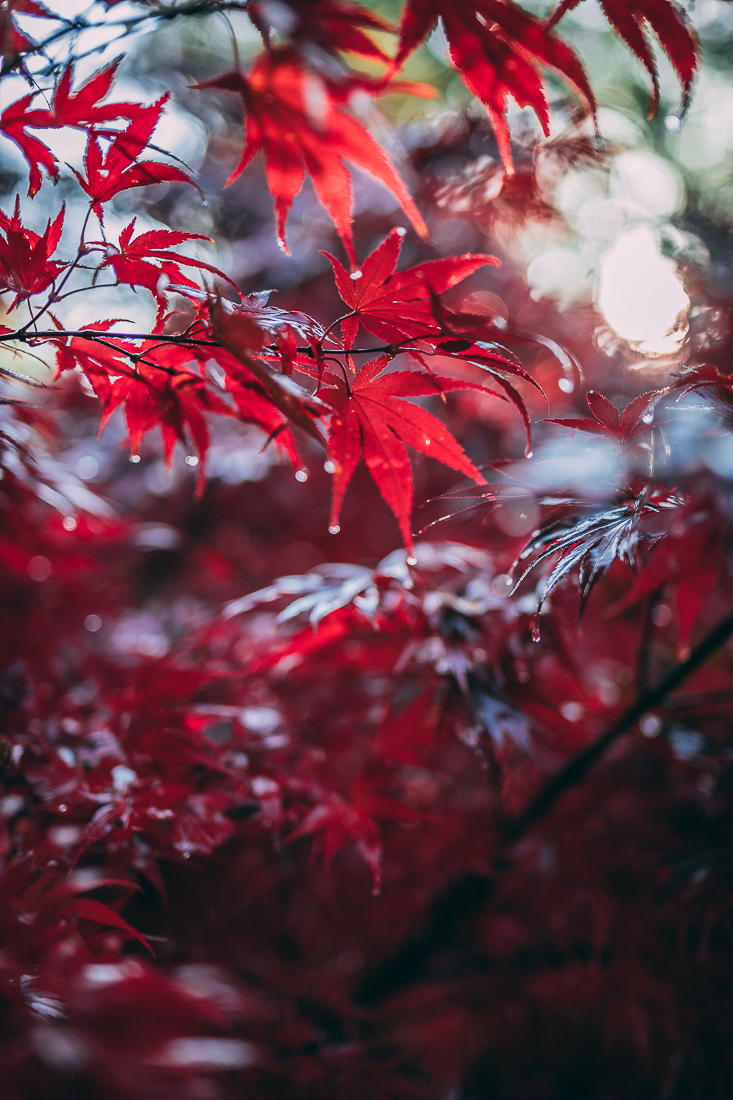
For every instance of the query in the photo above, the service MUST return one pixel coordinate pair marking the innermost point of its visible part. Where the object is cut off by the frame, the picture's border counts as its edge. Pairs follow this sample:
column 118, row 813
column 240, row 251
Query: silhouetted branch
column 465, row 898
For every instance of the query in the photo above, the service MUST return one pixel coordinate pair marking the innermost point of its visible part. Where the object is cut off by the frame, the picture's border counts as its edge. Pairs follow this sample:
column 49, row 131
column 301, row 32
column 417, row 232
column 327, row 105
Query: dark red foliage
column 352, row 815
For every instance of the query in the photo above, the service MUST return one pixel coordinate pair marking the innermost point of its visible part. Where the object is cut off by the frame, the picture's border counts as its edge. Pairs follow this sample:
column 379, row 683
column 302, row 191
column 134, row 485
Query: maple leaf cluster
column 451, row 819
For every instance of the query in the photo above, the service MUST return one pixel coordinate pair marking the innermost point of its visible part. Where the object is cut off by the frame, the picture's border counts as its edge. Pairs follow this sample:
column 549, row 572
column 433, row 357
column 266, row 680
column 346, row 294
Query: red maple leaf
column 147, row 261
column 629, row 18
column 706, row 378
column 398, row 307
column 80, row 109
column 12, row 41
column 298, row 118
column 337, row 820
column 371, row 417
column 119, row 169
column 26, row 266
column 332, row 24
column 607, row 420
column 153, row 384
column 497, row 47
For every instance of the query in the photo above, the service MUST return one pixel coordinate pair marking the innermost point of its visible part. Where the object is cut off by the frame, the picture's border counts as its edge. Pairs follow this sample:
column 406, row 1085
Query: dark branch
column 79, row 25
column 465, row 898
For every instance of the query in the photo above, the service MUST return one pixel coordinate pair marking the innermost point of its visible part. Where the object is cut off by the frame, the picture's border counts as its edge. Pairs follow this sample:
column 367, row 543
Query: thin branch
column 79, row 25
column 88, row 334
column 466, row 897
column 581, row 764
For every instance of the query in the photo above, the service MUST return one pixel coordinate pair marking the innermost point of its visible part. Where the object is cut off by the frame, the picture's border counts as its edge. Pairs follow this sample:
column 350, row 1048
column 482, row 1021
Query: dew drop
column 535, row 633
column 412, row 560
column 63, row 808
column 134, row 458
column 69, row 523
column 427, row 442
column 530, row 454
column 566, row 385
column 673, row 124
column 329, row 466
column 334, row 529
column 401, row 231
column 301, row 475
column 647, row 418
column 191, row 460
column 356, row 275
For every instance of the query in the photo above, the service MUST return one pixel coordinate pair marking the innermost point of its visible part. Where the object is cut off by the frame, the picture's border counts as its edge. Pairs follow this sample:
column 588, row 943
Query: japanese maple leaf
column 337, row 821
column 155, row 388
column 607, row 420
column 26, row 266
column 147, row 261
column 372, row 418
column 107, row 174
column 332, row 24
column 497, row 47
column 12, row 41
column 80, row 109
column 706, row 378
column 630, row 18
column 300, row 122
column 398, row 306
column 592, row 544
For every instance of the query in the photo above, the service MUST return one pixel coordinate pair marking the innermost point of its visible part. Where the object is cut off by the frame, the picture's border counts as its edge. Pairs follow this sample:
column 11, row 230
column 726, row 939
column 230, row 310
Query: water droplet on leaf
column 134, row 458
column 301, row 475
column 334, row 529
column 329, row 466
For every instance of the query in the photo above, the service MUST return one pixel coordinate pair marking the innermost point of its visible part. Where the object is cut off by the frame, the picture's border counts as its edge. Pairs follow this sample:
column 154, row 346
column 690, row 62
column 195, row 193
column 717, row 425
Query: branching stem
column 464, row 898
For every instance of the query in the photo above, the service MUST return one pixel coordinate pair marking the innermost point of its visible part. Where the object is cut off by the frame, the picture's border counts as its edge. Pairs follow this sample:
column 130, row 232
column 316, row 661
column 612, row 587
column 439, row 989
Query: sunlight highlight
column 641, row 296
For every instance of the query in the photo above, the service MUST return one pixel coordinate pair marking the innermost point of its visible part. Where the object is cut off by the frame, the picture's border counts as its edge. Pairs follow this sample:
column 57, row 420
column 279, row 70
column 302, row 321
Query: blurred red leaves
column 498, row 48
column 630, row 18
column 299, row 118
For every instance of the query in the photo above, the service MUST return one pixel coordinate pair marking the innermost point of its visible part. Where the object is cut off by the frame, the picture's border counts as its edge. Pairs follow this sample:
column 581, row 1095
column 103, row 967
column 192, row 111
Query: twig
column 79, row 25
column 466, row 897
